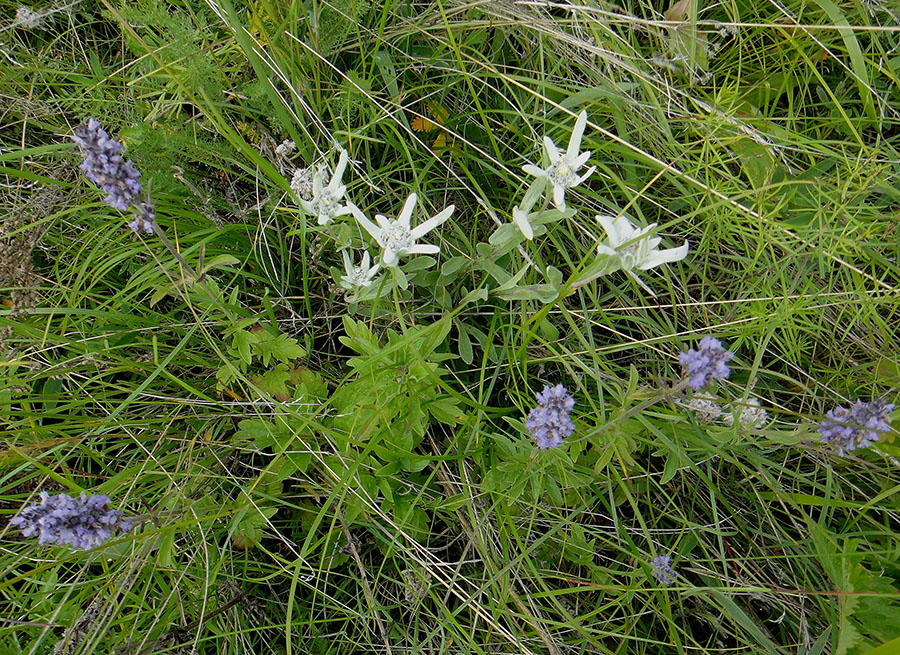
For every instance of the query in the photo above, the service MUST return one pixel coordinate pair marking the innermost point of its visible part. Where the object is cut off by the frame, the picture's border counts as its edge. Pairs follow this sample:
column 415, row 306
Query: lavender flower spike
column 706, row 363
column 549, row 422
column 105, row 166
column 856, row 427
column 662, row 570
column 83, row 522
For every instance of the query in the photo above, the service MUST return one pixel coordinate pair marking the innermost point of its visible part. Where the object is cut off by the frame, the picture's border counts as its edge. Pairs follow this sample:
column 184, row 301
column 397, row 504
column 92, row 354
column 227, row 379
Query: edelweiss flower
column 635, row 247
column 358, row 277
column 326, row 200
column 563, row 169
column 396, row 237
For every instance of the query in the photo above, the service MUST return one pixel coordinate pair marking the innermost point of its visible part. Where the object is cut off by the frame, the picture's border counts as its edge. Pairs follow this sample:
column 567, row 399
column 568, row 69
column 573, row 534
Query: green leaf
column 281, row 347
column 242, row 341
column 452, row 266
column 446, row 410
column 256, row 430
column 220, row 261
column 359, row 337
column 465, row 344
column 248, row 525
column 274, row 382
column 432, row 336
column 419, row 264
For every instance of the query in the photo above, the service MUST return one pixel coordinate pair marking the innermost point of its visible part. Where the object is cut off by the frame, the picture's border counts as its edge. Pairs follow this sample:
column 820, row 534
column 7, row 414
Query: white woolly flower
column 563, row 169
column 397, row 237
column 286, row 148
column 706, row 408
column 358, row 277
column 326, row 200
column 302, row 182
column 635, row 247
column 27, row 18
column 750, row 415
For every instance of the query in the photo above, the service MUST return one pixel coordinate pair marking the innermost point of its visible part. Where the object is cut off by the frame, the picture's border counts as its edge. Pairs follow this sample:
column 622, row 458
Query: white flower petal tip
column 520, row 218
column 397, row 237
column 667, row 256
column 562, row 172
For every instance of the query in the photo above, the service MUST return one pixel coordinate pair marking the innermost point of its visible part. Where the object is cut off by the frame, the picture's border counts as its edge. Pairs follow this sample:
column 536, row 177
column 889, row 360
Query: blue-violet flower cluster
column 662, row 570
column 857, row 426
column 706, row 363
column 105, row 166
column 83, row 522
column 549, row 422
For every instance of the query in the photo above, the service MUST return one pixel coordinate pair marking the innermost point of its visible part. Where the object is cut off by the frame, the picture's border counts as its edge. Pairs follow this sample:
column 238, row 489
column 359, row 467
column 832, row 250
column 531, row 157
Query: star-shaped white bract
column 326, row 200
column 397, row 237
column 635, row 247
column 563, row 169
column 358, row 277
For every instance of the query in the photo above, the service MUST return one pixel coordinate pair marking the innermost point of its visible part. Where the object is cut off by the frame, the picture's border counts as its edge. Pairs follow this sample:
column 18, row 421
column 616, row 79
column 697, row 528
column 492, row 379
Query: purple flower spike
column 105, row 166
column 856, row 427
column 83, row 522
column 549, row 422
column 706, row 363
column 662, row 570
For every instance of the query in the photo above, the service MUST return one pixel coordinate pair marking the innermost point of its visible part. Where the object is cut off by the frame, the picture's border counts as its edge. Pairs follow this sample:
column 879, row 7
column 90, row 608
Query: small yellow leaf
column 422, row 124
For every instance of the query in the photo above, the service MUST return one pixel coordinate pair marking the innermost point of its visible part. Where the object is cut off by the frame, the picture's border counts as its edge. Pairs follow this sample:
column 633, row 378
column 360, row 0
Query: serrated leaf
column 242, row 342
column 274, row 382
column 256, row 430
column 280, row 347
column 446, row 410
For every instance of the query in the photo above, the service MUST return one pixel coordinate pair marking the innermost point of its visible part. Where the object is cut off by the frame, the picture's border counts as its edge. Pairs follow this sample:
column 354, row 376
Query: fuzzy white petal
column 370, row 227
column 520, row 218
column 339, row 170
column 406, row 213
column 609, row 224
column 423, row 249
column 579, row 160
column 577, row 134
column 581, row 179
column 318, row 184
column 382, row 221
column 559, row 197
column 431, row 223
column 348, row 265
column 552, row 150
column 666, row 256
column 531, row 169
column 390, row 258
